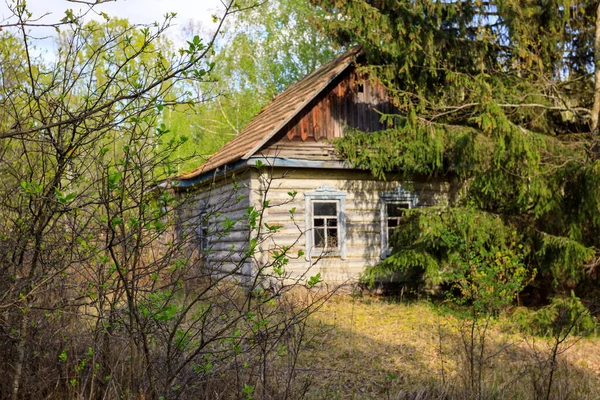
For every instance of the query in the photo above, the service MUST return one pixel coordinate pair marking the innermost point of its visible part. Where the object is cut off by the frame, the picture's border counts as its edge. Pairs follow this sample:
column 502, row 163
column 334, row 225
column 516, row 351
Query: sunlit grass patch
column 373, row 348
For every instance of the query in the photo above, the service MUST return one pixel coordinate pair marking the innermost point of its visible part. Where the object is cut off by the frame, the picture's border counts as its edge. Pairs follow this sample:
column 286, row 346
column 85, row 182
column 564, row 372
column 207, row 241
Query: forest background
column 504, row 96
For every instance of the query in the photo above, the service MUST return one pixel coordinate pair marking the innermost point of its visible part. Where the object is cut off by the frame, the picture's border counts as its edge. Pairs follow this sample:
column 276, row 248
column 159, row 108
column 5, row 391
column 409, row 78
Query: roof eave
column 214, row 173
column 269, row 162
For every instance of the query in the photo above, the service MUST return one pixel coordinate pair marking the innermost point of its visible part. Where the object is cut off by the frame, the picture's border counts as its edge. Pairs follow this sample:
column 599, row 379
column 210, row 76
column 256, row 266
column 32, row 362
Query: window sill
column 318, row 252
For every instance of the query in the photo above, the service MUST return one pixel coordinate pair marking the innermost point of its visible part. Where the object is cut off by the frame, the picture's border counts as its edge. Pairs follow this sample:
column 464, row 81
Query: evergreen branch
column 454, row 109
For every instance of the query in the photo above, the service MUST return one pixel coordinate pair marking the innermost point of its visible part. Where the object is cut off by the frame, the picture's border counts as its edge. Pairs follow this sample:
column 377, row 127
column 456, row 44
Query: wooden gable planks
column 308, row 135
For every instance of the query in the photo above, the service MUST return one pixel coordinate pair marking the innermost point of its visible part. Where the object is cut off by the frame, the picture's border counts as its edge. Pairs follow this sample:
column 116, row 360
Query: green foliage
column 483, row 262
column 248, row 391
column 266, row 49
column 62, row 357
column 314, row 280
column 563, row 316
column 474, row 253
column 496, row 96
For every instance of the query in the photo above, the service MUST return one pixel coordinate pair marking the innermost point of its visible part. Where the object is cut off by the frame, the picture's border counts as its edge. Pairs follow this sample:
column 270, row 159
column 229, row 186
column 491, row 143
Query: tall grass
column 375, row 349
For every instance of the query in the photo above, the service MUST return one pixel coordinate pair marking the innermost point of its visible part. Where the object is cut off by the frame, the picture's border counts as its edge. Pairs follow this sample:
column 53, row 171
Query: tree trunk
column 21, row 343
column 596, row 106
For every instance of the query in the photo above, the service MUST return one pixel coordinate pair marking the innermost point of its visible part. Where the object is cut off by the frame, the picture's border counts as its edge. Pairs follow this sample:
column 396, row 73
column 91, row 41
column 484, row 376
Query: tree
column 499, row 95
column 59, row 120
column 96, row 285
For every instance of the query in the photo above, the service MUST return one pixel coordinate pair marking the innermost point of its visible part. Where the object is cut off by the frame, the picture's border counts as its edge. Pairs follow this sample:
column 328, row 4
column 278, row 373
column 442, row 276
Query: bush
column 563, row 314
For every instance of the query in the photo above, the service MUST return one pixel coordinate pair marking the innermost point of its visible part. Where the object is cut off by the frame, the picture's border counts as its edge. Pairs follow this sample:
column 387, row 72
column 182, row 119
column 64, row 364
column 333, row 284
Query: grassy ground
column 373, row 348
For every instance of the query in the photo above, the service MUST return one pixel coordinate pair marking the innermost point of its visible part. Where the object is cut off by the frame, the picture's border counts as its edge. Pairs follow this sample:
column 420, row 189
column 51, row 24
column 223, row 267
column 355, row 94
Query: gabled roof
column 277, row 114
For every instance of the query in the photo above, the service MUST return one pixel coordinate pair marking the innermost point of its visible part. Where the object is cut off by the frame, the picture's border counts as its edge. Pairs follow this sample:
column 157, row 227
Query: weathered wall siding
column 226, row 198
column 363, row 227
column 349, row 102
column 314, row 151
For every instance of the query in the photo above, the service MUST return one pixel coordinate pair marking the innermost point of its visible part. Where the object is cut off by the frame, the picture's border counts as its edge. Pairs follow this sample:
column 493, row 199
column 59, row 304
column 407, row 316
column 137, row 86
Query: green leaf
column 314, row 280
column 62, row 357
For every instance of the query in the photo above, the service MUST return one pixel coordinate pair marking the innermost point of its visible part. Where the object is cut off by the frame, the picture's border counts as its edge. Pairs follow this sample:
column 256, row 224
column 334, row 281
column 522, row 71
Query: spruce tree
column 501, row 96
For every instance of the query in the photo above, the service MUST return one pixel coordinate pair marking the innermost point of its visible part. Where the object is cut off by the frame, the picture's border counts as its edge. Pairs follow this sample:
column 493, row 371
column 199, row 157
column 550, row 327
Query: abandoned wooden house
column 333, row 219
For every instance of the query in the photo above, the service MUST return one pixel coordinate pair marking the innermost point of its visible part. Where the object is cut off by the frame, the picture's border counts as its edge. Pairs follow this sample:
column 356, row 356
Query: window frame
column 397, row 196
column 325, row 194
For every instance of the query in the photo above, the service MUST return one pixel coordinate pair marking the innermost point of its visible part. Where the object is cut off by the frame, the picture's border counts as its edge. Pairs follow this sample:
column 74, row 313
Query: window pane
column 332, row 222
column 321, row 208
column 204, row 240
column 390, row 234
column 392, row 222
column 396, row 209
column 332, row 239
column 319, row 222
column 319, row 237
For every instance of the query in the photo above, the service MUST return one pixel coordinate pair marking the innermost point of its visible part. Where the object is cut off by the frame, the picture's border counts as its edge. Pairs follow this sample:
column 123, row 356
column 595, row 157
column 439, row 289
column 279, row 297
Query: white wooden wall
column 225, row 198
column 231, row 197
column 363, row 225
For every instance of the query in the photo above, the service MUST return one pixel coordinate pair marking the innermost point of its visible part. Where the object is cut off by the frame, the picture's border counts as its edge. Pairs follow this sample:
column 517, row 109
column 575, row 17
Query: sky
column 137, row 11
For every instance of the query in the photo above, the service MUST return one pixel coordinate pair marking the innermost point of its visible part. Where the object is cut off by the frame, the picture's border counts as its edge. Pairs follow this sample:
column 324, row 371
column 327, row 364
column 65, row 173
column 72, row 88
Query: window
column 394, row 214
column 393, row 207
column 325, row 223
column 203, row 234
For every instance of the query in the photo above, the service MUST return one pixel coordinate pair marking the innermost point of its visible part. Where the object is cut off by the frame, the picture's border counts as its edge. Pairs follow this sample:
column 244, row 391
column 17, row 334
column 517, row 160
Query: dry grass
column 371, row 348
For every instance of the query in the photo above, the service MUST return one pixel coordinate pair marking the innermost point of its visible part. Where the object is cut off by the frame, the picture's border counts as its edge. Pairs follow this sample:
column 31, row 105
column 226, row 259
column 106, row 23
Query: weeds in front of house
column 373, row 348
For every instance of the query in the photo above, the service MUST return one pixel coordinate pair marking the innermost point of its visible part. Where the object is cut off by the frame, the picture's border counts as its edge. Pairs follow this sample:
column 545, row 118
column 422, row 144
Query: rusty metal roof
column 276, row 114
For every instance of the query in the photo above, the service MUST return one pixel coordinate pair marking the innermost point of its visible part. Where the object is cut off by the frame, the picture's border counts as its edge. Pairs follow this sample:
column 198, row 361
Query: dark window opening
column 203, row 234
